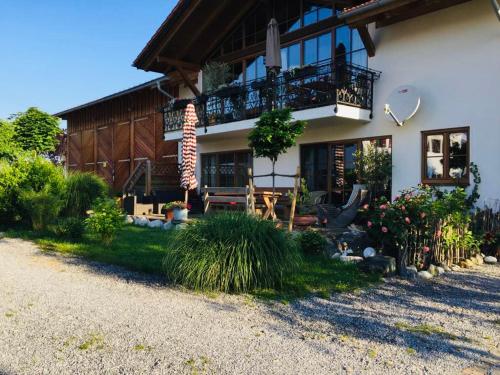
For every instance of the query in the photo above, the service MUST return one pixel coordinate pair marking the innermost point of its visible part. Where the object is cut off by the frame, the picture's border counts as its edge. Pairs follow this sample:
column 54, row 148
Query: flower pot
column 180, row 214
column 304, row 220
column 169, row 215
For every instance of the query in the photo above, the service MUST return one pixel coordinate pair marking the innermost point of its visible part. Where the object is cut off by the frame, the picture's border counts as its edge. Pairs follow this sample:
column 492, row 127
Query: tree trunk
column 274, row 190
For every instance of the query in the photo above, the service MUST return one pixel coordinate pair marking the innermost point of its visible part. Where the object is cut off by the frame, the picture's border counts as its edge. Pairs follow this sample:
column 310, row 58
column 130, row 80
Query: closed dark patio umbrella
column 273, row 47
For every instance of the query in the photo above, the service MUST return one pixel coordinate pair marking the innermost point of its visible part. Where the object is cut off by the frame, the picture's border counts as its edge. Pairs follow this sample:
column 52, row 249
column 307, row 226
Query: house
column 341, row 62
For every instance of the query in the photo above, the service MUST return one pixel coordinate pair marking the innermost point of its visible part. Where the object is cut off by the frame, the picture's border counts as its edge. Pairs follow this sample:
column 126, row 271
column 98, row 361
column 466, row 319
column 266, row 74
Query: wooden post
column 186, row 196
column 294, row 200
column 206, row 203
column 252, row 191
column 148, row 177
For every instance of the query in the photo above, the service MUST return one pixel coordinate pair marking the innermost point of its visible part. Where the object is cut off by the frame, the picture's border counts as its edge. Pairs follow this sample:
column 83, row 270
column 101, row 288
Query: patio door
column 342, row 173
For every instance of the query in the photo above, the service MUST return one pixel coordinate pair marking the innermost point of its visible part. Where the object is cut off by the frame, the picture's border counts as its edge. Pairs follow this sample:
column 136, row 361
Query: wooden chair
column 223, row 196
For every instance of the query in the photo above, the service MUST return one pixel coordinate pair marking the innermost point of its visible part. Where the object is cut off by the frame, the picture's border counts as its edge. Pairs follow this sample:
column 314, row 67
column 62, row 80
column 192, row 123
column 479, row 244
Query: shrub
column 312, row 243
column 231, row 252
column 82, row 190
column 70, row 227
column 106, row 219
column 42, row 207
column 28, row 173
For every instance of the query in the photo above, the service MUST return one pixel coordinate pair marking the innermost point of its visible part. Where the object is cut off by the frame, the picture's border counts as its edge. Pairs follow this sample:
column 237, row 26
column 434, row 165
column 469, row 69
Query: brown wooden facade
column 110, row 137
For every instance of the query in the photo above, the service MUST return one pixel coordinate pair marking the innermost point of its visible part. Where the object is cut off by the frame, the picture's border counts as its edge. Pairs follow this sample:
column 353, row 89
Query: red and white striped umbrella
column 188, row 174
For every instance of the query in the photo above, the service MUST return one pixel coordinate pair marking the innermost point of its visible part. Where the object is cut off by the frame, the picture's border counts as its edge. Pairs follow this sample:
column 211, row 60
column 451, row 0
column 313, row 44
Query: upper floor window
column 445, row 158
column 314, row 12
column 349, row 48
column 318, row 49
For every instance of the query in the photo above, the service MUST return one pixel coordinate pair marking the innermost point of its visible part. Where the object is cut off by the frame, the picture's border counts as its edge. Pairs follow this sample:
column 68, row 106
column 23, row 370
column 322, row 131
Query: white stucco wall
column 453, row 57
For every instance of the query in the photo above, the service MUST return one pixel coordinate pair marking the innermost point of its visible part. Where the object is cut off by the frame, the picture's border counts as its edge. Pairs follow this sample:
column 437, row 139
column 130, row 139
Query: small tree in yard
column 274, row 133
column 36, row 131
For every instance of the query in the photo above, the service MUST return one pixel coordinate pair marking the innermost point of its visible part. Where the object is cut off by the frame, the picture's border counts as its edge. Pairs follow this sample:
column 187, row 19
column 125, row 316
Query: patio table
column 269, row 202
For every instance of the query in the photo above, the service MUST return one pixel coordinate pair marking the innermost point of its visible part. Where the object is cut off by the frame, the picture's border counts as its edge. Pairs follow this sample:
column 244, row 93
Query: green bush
column 107, row 218
column 27, row 173
column 312, row 243
column 42, row 207
column 82, row 190
column 70, row 227
column 231, row 252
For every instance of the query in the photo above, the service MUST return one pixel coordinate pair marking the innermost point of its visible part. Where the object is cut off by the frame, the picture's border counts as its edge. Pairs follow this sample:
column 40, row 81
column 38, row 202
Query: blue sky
column 56, row 54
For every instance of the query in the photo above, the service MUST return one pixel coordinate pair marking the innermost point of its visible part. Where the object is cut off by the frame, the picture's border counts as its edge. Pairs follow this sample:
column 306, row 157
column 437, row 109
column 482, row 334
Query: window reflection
column 458, row 155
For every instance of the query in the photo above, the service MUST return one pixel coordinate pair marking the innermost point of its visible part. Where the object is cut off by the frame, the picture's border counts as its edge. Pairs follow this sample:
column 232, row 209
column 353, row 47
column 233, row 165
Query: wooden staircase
column 152, row 176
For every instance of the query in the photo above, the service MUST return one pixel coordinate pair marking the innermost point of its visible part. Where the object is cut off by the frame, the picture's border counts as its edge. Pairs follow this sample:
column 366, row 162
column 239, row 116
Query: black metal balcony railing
column 302, row 88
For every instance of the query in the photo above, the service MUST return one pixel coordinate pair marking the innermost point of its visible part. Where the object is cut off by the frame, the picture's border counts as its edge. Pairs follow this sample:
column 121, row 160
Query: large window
column 330, row 166
column 318, row 49
column 445, row 156
column 348, row 47
column 226, row 169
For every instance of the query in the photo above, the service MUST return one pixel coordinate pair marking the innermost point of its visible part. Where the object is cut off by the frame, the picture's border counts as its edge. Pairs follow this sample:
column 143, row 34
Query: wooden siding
column 111, row 137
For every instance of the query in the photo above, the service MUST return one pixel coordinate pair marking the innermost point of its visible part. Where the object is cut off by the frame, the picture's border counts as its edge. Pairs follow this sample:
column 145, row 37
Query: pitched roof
column 112, row 96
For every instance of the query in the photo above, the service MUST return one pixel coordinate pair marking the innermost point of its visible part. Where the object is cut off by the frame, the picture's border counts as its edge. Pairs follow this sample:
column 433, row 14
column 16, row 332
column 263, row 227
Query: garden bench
column 226, row 196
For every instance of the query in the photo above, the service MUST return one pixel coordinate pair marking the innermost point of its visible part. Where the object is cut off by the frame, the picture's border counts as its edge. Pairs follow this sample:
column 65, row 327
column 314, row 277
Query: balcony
column 312, row 86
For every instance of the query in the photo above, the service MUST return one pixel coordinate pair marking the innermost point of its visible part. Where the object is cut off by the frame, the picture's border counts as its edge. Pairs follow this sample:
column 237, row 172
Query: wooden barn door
column 144, row 138
column 75, row 151
column 105, row 153
column 88, row 151
column 122, row 154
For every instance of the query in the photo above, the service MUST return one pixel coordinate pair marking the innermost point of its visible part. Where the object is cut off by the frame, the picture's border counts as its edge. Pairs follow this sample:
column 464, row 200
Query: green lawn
column 142, row 249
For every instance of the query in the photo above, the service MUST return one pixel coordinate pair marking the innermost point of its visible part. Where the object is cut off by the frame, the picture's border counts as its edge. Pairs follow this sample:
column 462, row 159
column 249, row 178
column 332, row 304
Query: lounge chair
column 340, row 217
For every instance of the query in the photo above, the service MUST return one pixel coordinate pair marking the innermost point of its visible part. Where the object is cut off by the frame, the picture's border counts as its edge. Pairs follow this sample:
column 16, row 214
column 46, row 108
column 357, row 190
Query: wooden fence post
column 252, row 191
column 294, row 200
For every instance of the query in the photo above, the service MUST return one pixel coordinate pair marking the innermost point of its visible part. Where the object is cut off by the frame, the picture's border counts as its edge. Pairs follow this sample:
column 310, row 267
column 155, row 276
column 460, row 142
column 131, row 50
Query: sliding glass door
column 330, row 166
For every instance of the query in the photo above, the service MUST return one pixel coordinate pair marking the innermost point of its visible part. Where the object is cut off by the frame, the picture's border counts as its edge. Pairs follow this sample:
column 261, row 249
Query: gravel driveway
column 61, row 315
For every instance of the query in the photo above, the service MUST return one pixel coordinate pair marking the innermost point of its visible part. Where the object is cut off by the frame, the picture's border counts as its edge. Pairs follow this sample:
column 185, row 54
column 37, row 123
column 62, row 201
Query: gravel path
column 61, row 315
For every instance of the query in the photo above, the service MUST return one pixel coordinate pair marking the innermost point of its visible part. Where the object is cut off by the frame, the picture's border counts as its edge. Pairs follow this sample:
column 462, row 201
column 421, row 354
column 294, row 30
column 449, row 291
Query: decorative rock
column 411, row 272
column 479, row 259
column 470, row 263
column 379, row 264
column 336, row 256
column 425, row 275
column 355, row 240
column 433, row 270
column 350, row 259
column 490, row 260
column 440, row 270
column 369, row 252
column 141, row 221
column 455, row 267
column 446, row 268
column 155, row 224
column 463, row 264
column 168, row 225
column 412, row 269
column 129, row 219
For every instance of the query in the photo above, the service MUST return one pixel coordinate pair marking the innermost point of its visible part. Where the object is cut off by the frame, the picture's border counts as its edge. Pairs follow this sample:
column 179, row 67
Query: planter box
column 180, row 214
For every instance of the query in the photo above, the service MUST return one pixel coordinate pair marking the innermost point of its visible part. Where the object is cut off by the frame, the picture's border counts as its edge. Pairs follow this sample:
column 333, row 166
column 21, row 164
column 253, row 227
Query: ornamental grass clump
column 231, row 252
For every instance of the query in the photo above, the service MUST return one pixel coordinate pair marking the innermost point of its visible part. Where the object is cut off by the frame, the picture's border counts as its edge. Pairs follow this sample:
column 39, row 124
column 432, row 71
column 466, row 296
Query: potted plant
column 306, row 210
column 215, row 74
column 179, row 210
column 168, row 210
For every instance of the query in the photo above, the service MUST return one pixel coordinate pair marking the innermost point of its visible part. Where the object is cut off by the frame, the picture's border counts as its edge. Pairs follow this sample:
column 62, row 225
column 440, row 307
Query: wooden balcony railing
column 310, row 86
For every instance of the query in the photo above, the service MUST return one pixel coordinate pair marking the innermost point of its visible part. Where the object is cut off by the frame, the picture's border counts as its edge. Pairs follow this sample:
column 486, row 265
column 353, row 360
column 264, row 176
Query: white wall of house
column 453, row 57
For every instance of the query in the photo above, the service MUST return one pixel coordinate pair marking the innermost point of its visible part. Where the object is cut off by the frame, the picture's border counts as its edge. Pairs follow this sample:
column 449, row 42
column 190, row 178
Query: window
column 445, row 156
column 349, row 48
column 314, row 12
column 290, row 57
column 226, row 169
column 318, row 49
column 255, row 69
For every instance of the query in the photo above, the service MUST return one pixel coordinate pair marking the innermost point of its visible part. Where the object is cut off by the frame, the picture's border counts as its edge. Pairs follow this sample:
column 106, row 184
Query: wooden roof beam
column 189, row 83
column 174, row 62
column 367, row 40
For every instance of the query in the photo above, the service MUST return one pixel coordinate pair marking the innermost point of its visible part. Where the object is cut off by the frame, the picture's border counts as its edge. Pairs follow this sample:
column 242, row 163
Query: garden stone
column 470, row 263
column 129, row 219
column 433, row 270
column 455, row 267
column 336, row 256
column 479, row 259
column 463, row 264
column 369, row 252
column 141, row 221
column 2, row 235
column 440, row 270
column 384, row 265
column 446, row 268
column 425, row 275
column 155, row 224
column 350, row 259
column 490, row 260
column 168, row 225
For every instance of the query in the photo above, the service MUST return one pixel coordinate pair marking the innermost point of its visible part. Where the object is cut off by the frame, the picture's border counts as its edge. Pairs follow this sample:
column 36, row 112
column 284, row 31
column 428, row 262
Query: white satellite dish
column 402, row 104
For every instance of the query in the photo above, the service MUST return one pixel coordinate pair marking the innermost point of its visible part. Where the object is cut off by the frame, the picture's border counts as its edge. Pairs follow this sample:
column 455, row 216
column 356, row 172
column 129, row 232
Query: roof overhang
column 190, row 33
column 387, row 12
column 150, row 84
